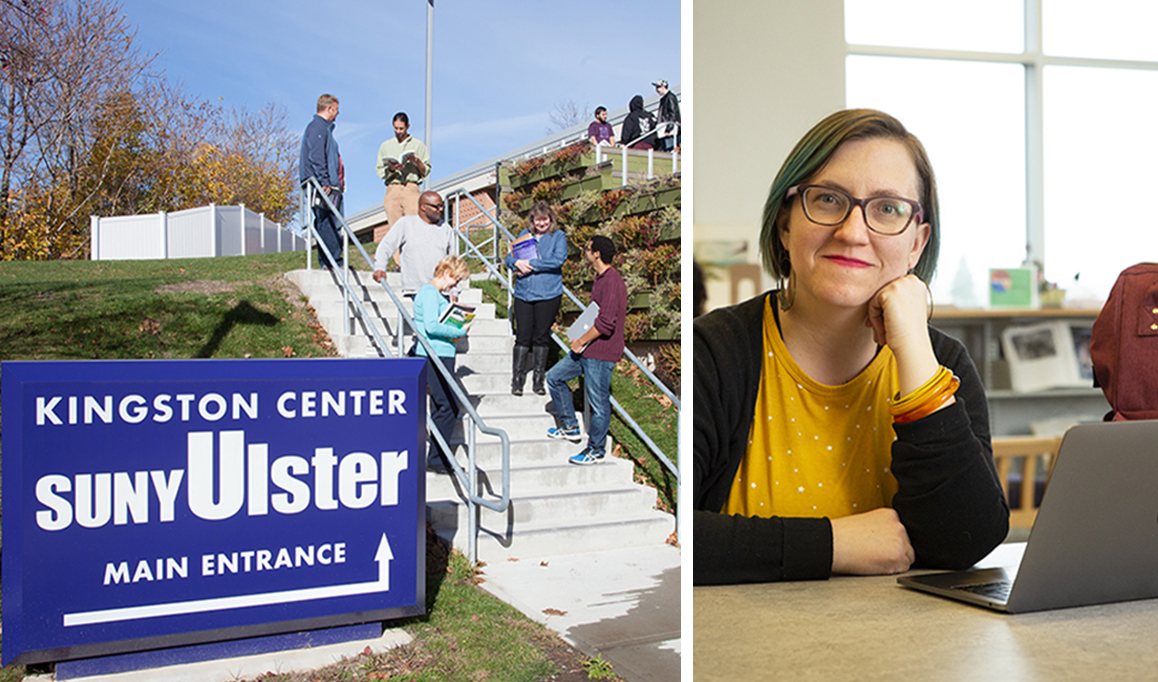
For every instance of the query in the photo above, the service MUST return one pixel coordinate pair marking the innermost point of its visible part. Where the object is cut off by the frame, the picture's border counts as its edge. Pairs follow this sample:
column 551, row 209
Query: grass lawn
column 197, row 308
column 240, row 307
column 659, row 419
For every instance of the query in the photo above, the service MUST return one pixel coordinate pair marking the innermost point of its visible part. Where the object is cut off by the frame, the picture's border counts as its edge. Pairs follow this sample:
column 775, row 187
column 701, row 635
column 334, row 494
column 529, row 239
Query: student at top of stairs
column 429, row 303
column 639, row 127
column 538, row 292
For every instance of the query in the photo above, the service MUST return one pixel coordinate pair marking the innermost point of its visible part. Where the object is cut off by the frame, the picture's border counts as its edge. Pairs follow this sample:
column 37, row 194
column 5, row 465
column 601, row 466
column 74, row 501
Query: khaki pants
column 401, row 199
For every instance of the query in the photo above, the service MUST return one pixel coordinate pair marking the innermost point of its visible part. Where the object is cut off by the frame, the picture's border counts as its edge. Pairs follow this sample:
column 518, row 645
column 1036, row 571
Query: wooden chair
column 1017, row 466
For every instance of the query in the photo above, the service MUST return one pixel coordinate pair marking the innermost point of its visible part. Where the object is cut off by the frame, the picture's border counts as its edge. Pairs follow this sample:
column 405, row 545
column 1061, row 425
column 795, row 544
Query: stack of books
column 525, row 248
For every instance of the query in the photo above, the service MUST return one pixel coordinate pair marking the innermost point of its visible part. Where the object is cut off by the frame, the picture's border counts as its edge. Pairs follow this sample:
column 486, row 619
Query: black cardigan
column 948, row 498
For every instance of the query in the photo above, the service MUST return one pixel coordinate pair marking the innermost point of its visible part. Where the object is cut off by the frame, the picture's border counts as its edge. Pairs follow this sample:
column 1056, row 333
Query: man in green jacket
column 403, row 162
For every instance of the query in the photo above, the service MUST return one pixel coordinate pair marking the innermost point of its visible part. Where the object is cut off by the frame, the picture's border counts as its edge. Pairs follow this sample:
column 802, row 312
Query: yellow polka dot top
column 816, row 450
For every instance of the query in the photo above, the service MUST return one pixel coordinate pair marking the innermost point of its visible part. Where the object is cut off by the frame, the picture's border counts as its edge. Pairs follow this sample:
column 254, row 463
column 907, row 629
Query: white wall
column 765, row 72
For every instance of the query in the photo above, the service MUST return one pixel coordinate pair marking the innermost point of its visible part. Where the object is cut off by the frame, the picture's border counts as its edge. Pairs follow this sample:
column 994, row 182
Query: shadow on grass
column 437, row 572
column 242, row 313
column 437, row 562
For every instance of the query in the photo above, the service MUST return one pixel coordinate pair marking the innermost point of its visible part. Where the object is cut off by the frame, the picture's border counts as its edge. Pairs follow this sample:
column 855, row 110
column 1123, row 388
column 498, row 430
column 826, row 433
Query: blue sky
column 500, row 66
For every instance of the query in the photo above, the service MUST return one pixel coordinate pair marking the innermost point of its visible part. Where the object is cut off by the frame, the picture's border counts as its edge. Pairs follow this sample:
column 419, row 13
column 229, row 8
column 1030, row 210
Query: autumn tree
column 59, row 60
column 86, row 128
column 248, row 158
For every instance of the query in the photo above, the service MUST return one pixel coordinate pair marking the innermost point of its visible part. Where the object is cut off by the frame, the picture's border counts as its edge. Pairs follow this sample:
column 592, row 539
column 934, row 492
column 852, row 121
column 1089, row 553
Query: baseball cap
column 660, row 83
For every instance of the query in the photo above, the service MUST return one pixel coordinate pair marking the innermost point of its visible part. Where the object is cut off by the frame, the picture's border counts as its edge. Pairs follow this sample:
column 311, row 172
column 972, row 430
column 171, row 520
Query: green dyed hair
column 810, row 156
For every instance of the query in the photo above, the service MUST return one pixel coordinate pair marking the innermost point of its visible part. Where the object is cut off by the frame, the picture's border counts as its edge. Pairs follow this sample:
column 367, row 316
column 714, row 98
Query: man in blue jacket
column 320, row 160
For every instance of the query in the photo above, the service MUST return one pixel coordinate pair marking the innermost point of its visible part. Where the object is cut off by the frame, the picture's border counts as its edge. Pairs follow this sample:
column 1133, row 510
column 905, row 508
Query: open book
column 525, row 248
column 457, row 315
column 404, row 158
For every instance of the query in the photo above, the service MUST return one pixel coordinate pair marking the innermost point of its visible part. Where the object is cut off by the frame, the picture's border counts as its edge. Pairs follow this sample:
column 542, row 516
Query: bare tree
column 566, row 114
column 86, row 127
column 247, row 157
column 61, row 60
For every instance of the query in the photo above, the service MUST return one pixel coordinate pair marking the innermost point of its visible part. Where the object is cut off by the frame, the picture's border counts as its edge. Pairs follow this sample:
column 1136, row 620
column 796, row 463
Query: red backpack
column 1124, row 345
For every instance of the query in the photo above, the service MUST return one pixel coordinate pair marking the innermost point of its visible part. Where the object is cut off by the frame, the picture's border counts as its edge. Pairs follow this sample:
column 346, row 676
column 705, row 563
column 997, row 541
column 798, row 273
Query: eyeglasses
column 883, row 215
column 438, row 206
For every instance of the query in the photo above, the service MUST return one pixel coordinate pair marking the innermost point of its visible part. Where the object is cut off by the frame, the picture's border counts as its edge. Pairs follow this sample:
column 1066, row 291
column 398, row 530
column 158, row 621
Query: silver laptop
column 1095, row 540
column 584, row 322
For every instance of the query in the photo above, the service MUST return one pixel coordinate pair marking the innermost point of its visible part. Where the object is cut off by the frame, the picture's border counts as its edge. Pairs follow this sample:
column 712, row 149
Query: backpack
column 1124, row 345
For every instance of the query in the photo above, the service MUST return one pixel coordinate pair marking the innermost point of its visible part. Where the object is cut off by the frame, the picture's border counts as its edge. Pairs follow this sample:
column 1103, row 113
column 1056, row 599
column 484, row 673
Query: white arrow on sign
column 383, row 556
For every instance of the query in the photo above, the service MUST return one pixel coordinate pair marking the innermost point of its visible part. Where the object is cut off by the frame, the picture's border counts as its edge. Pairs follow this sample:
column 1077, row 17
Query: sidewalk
column 623, row 605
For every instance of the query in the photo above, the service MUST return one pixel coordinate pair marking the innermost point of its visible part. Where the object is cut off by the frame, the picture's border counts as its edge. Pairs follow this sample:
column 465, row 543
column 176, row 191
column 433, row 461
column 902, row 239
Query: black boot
column 519, row 369
column 539, row 363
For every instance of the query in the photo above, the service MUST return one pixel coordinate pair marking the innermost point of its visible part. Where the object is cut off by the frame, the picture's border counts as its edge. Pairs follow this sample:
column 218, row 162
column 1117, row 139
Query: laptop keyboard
column 998, row 590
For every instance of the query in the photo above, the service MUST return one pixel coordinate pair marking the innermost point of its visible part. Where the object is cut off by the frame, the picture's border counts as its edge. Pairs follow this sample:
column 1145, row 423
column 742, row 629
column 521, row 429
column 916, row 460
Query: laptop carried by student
column 1095, row 539
column 584, row 322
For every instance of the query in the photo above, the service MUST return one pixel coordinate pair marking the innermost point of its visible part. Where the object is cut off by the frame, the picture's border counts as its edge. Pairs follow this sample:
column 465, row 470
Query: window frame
column 1034, row 61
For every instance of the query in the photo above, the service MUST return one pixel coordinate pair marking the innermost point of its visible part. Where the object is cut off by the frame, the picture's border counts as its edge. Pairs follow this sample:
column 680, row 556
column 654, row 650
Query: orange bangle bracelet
column 934, row 386
column 931, row 405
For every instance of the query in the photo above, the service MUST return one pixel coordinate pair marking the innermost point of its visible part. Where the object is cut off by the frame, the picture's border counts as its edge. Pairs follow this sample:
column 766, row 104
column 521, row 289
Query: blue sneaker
column 572, row 434
column 588, row 456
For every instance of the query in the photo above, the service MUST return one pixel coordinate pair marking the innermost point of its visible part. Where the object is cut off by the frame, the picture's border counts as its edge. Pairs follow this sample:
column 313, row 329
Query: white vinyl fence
column 193, row 233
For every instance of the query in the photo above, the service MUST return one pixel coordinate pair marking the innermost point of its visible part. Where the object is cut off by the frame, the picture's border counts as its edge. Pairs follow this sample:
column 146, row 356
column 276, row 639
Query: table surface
column 871, row 628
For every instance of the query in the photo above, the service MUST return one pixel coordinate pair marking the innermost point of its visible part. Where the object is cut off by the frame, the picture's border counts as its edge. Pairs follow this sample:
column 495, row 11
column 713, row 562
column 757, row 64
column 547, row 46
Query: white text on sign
column 242, row 475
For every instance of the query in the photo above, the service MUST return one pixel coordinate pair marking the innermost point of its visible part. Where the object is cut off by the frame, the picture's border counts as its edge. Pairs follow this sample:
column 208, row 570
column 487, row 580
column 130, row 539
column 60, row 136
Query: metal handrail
column 468, row 478
column 601, row 154
column 506, row 282
column 553, row 141
column 581, row 136
column 675, row 159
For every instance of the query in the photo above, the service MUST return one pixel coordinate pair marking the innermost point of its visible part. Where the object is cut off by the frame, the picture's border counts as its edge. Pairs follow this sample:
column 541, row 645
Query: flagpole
column 428, row 126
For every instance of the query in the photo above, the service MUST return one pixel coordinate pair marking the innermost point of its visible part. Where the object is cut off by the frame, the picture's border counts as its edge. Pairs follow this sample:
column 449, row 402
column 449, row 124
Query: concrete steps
column 571, row 536
column 551, row 504
column 556, row 507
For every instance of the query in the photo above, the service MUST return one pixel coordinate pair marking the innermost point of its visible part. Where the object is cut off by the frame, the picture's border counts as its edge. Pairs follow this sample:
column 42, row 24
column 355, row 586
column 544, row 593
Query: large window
column 1036, row 123
column 978, row 154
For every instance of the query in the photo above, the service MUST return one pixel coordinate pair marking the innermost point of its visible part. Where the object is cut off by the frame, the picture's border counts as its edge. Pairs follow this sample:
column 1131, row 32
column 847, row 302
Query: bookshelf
column 1011, row 412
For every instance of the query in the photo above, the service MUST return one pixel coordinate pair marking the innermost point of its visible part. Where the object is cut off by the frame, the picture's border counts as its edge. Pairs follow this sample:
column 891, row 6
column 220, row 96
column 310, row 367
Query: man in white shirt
column 417, row 243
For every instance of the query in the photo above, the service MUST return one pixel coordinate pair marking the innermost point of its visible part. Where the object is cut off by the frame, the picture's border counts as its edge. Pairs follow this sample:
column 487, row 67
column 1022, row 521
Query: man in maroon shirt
column 593, row 355
column 600, row 131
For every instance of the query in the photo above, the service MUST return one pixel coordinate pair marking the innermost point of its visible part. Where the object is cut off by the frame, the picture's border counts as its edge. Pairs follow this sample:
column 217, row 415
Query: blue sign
column 151, row 504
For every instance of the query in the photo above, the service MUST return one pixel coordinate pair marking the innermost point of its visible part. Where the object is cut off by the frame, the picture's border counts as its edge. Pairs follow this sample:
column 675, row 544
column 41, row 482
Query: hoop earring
column 786, row 295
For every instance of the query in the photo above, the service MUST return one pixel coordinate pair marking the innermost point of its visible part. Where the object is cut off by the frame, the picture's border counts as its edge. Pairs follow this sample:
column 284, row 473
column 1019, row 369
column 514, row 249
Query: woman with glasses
column 835, row 432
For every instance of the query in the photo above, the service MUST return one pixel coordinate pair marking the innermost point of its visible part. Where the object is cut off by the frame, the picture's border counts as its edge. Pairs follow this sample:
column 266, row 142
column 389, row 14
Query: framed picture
column 1012, row 288
column 1043, row 356
column 1081, row 336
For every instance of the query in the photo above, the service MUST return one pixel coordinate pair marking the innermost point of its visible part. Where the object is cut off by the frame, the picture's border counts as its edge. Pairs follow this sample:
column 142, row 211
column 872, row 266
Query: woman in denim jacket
column 538, row 292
